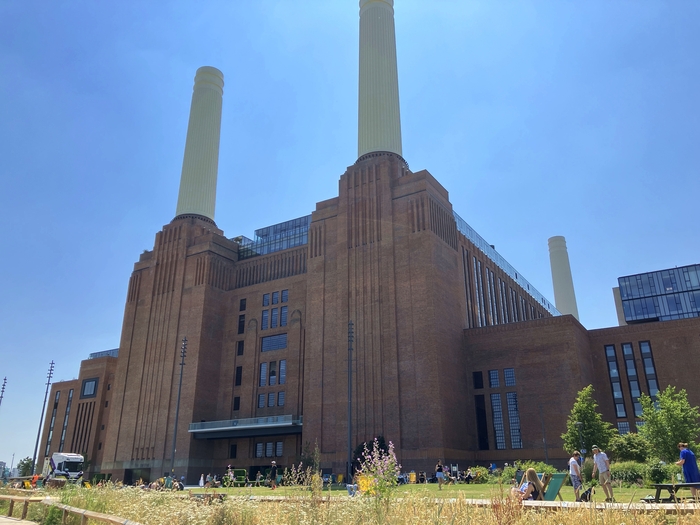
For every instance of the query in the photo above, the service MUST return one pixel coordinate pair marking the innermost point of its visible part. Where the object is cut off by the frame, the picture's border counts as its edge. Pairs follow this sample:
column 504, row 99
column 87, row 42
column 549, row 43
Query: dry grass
column 158, row 508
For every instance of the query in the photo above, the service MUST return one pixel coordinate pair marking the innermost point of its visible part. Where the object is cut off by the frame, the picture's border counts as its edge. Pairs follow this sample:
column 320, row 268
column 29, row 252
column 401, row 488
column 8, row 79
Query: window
column 278, row 449
column 280, row 399
column 273, row 373
column 109, row 386
column 265, row 319
column 65, row 420
column 285, row 296
column 261, row 400
column 259, row 450
column 632, row 382
column 274, row 317
column 275, row 297
column 89, row 388
column 271, row 399
column 263, row 374
column 498, row 428
column 274, row 342
column 103, row 427
column 481, row 422
column 649, row 368
column 239, row 376
column 99, row 446
column 283, row 316
column 478, row 378
column 623, row 427
column 266, row 299
column 268, row 449
column 106, row 404
column 241, row 324
column 53, row 421
column 236, row 403
column 239, row 347
column 283, row 371
column 241, row 306
column 514, row 420
column 509, row 376
column 615, row 384
column 493, row 379
column 233, row 452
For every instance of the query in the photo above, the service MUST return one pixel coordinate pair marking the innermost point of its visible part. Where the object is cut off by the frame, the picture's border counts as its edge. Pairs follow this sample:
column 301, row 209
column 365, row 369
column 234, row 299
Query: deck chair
column 545, row 478
column 555, row 484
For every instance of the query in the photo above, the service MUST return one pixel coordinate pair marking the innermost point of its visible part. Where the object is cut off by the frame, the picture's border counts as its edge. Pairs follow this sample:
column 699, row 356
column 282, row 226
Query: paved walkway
column 4, row 520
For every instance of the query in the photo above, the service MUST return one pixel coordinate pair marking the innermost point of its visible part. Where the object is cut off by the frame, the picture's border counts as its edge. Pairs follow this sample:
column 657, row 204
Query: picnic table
column 672, row 489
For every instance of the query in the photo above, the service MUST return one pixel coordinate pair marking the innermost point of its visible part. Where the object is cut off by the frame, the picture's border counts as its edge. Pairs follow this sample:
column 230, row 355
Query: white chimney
column 564, row 295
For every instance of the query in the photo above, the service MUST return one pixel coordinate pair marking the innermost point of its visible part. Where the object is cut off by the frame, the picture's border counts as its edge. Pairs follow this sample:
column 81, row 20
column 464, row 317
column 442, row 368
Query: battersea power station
column 386, row 266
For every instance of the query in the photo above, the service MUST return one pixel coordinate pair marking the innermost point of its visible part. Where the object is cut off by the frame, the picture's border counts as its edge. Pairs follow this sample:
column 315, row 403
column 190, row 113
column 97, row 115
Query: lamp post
column 41, row 421
column 2, row 392
column 580, row 440
column 183, row 353
column 351, row 337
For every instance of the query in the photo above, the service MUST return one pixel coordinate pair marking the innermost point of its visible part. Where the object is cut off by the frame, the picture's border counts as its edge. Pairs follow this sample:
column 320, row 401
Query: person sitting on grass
column 531, row 487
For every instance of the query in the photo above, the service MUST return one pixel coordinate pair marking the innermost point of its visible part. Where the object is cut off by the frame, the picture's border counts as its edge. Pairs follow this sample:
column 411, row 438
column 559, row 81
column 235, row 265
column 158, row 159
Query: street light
column 183, row 353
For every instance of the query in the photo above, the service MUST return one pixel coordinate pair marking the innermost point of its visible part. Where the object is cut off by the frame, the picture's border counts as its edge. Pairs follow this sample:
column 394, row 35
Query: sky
column 540, row 118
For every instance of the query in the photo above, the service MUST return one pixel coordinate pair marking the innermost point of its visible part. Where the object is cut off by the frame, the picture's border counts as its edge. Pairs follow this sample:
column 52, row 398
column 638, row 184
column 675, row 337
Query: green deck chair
column 554, row 486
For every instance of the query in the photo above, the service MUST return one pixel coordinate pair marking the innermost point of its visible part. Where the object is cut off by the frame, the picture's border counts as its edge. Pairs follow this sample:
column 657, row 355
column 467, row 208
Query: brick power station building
column 267, row 321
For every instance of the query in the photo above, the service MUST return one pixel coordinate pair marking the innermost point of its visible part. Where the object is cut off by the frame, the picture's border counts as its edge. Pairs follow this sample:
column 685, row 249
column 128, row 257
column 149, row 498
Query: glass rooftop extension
column 105, row 353
column 290, row 234
column 497, row 258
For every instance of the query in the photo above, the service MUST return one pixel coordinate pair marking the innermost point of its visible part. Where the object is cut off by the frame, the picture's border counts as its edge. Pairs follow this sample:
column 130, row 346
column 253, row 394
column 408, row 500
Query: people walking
column 273, row 475
column 601, row 463
column 439, row 474
column 690, row 466
column 575, row 474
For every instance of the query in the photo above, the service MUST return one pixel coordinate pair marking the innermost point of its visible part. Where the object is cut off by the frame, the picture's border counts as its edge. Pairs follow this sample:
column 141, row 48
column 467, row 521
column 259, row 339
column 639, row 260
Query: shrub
column 587, row 470
column 509, row 472
column 659, row 472
column 628, row 473
column 481, row 475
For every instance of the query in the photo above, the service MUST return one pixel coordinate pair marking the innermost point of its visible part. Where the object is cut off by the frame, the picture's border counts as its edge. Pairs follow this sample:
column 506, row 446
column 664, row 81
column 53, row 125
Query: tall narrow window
column 236, row 403
column 649, row 368
column 264, row 321
column 481, row 422
column 283, row 316
column 499, row 430
column 274, row 318
column 53, row 421
column 615, row 385
column 263, row 374
column 478, row 378
column 239, row 376
column 65, row 420
column 278, row 449
column 233, row 452
column 239, row 348
column 241, row 324
column 273, row 373
column 516, row 440
column 632, row 379
column 285, row 296
column 268, row 450
column 275, row 297
column 283, row 371
column 241, row 306
column 261, row 400
column 271, row 399
column 493, row 379
column 280, row 399
column 259, row 450
column 509, row 376
column 266, row 299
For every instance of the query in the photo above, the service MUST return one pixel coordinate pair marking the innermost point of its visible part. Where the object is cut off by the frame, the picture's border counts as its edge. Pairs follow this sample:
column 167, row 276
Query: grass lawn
column 472, row 491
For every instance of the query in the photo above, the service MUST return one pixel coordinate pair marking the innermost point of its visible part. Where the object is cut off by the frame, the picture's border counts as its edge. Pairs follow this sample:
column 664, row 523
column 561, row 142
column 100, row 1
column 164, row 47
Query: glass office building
column 662, row 295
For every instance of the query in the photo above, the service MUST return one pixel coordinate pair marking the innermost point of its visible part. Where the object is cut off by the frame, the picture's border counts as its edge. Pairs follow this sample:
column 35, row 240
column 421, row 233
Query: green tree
column 668, row 421
column 24, row 467
column 593, row 430
column 628, row 447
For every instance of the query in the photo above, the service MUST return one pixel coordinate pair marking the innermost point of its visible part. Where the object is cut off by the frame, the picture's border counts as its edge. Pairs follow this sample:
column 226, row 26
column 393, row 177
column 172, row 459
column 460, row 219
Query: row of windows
column 660, row 282
column 632, row 376
column 271, row 397
column 271, row 367
column 494, row 381
column 276, row 297
column 268, row 448
column 516, row 441
column 273, row 317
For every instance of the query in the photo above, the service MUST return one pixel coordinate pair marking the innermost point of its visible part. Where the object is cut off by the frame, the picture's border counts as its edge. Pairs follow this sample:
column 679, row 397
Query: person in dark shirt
column 273, row 475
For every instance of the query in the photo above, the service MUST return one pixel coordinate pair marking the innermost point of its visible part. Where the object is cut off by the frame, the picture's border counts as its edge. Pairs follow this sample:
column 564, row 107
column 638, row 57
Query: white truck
column 65, row 465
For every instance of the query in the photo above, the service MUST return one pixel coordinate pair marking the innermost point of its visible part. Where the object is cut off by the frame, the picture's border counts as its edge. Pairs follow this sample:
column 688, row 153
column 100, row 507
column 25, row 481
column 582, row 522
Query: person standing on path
column 575, row 474
column 690, row 466
column 273, row 475
column 201, row 481
column 439, row 474
column 601, row 463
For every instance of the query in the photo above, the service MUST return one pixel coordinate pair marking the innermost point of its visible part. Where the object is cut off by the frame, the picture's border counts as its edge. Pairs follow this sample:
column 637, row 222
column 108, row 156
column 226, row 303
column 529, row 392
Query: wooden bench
column 672, row 489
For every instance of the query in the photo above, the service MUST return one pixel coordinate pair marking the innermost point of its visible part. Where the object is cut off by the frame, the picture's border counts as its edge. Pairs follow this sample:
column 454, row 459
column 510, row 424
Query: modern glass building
column 662, row 295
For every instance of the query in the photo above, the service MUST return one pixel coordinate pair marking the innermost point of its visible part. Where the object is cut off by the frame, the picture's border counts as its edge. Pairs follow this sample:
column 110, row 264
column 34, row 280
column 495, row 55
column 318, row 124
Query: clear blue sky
column 540, row 118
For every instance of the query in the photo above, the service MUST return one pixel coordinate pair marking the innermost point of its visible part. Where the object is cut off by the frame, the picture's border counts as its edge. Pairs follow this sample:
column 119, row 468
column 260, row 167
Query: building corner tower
column 562, row 282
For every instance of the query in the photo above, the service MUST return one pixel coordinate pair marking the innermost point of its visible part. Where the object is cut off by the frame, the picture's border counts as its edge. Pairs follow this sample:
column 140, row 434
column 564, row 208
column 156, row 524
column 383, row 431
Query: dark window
column 103, row 427
column 261, row 400
column 241, row 307
column 271, row 399
column 283, row 372
column 497, row 416
column 239, row 375
column 259, row 450
column 233, row 452
column 236, row 403
column 266, row 299
column 615, row 385
column 278, row 449
column 478, row 378
column 265, row 319
column 274, row 317
column 263, row 374
column 106, row 404
column 493, row 379
column 275, row 297
column 65, row 420
column 481, row 422
column 285, row 296
column 99, row 446
column 89, row 388
column 274, row 342
column 241, row 324
column 283, row 316
column 109, row 386
column 239, row 347
column 280, row 399
column 509, row 376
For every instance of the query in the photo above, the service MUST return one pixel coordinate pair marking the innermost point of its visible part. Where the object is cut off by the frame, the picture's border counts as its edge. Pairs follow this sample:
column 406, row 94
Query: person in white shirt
column 575, row 474
column 601, row 463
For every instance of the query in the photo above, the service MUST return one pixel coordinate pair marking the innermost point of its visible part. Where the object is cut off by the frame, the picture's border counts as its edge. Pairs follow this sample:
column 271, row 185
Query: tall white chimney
column 379, row 122
column 564, row 295
column 201, row 162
